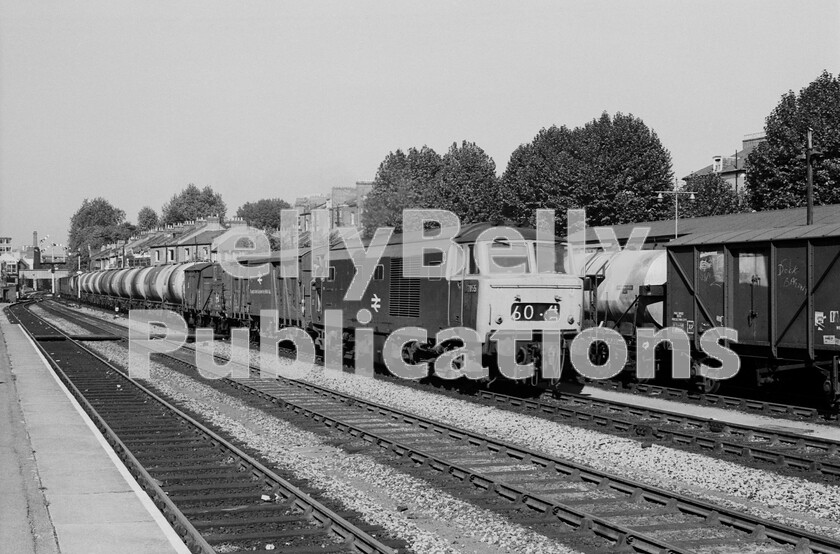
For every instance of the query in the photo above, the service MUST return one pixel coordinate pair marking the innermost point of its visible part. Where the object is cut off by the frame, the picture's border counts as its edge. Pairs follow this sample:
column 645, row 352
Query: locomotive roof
column 794, row 232
column 469, row 233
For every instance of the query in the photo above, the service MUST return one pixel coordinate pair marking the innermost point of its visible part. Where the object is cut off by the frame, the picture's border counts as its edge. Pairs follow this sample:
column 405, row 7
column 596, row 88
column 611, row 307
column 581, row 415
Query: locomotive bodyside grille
column 404, row 293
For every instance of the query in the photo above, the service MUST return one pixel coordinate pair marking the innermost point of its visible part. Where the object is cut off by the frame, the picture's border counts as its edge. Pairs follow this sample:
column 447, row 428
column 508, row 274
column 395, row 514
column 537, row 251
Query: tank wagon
column 629, row 291
column 149, row 287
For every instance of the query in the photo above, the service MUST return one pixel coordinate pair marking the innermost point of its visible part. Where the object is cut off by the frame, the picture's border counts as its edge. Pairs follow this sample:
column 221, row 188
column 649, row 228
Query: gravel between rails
column 794, row 501
column 790, row 499
column 61, row 323
column 434, row 522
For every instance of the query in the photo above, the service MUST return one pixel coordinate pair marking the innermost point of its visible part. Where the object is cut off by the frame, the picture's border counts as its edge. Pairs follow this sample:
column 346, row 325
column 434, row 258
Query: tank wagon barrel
column 620, row 277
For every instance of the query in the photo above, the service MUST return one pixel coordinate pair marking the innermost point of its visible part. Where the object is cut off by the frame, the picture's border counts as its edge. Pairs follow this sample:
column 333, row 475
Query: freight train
column 778, row 288
column 490, row 286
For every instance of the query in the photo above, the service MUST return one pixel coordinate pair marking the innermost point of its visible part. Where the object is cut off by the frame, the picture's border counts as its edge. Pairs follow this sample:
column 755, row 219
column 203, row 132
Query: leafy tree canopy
column 466, row 185
column 95, row 223
column 263, row 214
column 611, row 166
column 192, row 203
column 98, row 235
column 712, row 196
column 402, row 182
column 776, row 179
column 147, row 219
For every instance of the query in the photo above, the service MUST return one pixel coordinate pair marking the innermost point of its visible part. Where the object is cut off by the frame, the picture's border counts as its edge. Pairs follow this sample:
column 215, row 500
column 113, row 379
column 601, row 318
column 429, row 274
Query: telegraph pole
column 809, row 150
column 809, row 157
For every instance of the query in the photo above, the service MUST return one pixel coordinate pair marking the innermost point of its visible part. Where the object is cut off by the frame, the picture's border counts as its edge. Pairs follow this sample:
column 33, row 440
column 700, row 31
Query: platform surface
column 63, row 488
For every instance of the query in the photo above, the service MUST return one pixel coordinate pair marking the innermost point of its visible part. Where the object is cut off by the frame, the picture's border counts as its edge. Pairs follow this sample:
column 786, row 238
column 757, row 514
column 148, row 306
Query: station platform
column 63, row 489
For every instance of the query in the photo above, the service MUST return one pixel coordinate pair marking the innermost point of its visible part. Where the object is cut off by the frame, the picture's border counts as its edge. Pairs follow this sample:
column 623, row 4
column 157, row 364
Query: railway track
column 563, row 496
column 819, row 457
column 709, row 399
column 774, row 447
column 215, row 496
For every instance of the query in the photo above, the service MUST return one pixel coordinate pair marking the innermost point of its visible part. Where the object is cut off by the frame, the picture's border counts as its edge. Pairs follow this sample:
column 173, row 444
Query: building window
column 170, row 255
column 206, row 253
column 157, row 255
column 186, row 253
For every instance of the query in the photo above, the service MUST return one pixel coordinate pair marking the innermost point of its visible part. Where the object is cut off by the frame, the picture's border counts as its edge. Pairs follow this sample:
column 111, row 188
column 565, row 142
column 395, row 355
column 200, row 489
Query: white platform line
column 157, row 516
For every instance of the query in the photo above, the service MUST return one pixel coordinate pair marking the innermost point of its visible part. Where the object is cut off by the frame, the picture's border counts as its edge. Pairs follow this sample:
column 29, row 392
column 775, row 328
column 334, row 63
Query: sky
column 132, row 101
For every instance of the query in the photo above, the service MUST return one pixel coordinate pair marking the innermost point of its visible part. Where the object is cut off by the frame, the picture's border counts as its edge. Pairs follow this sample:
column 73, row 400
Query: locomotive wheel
column 599, row 353
column 703, row 384
column 408, row 352
column 708, row 386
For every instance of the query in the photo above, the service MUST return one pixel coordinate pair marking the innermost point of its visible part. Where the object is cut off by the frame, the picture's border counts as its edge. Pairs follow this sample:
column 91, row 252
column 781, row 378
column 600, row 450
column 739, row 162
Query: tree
column 96, row 213
column 712, row 196
column 776, row 178
column 191, row 204
column 466, row 185
column 401, row 183
column 540, row 175
column 146, row 219
column 96, row 223
column 611, row 166
column 263, row 214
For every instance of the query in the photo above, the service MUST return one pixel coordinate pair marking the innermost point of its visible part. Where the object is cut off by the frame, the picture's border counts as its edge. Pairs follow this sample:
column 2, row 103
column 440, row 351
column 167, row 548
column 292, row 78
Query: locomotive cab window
column 561, row 259
column 434, row 258
column 473, row 268
column 503, row 256
column 331, row 275
column 379, row 273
